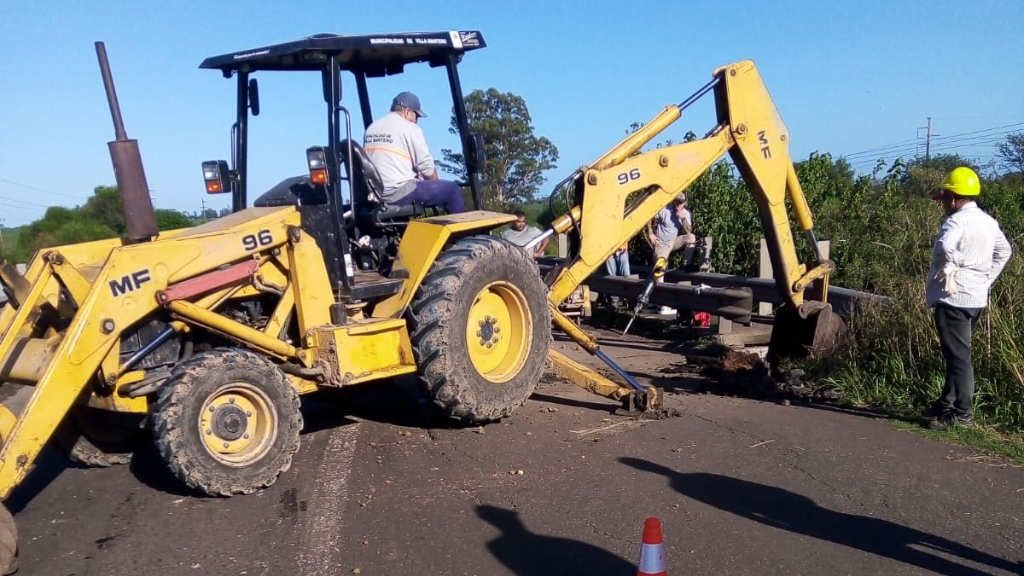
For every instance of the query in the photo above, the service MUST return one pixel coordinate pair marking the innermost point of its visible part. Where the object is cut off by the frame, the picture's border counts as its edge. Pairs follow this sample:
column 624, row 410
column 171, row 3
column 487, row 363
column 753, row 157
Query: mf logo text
column 129, row 283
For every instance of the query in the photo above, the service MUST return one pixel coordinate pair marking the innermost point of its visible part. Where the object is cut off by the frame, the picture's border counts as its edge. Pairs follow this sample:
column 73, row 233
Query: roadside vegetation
column 100, row 217
column 881, row 228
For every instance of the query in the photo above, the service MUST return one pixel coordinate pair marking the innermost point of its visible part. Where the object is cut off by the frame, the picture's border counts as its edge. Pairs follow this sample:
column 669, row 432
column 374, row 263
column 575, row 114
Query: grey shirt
column 399, row 150
column 521, row 237
column 667, row 226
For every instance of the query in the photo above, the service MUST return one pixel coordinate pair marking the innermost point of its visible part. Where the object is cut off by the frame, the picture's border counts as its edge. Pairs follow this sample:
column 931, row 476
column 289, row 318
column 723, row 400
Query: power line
column 27, row 208
column 985, row 130
column 986, row 142
column 982, row 138
column 26, row 186
column 23, row 202
column 912, row 143
column 869, row 150
column 944, row 148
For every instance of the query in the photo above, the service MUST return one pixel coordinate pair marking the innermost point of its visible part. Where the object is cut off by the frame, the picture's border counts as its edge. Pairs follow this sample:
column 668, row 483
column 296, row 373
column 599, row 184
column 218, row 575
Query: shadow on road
column 795, row 513
column 397, row 401
column 49, row 464
column 681, row 384
column 528, row 554
column 149, row 468
column 631, row 343
column 874, row 414
column 574, row 403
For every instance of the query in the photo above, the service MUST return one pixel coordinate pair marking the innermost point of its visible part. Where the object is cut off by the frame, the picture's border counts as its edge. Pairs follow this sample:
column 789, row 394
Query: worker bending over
column 671, row 231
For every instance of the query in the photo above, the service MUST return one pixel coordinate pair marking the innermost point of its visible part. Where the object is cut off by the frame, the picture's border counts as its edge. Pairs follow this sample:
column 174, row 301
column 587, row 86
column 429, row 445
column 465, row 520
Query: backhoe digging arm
column 620, row 192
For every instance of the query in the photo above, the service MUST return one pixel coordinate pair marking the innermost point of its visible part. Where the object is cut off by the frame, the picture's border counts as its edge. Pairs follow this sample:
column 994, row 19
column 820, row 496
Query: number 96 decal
column 626, row 177
column 254, row 241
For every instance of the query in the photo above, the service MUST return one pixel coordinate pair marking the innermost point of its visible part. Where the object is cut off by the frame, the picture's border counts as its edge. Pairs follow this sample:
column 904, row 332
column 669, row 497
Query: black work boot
column 950, row 418
column 942, row 421
column 936, row 409
column 964, row 420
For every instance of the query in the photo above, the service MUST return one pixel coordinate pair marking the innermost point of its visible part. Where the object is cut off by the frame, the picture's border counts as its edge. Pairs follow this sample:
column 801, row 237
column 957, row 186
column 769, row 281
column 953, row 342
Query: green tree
column 105, row 206
column 923, row 176
column 516, row 158
column 100, row 217
column 1011, row 152
column 724, row 209
column 57, row 227
column 172, row 219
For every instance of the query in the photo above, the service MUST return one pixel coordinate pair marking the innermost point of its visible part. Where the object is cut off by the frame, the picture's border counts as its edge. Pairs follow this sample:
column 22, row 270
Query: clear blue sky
column 846, row 77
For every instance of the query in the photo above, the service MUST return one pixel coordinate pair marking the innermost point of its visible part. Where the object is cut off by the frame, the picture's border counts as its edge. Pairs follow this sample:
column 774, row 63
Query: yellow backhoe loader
column 206, row 337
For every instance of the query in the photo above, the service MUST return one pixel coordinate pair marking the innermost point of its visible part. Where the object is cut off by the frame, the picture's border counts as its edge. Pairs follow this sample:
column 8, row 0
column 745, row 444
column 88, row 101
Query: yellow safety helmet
column 961, row 181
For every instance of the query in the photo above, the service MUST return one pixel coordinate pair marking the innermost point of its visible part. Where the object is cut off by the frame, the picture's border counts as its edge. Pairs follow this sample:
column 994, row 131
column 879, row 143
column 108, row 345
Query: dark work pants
column 955, row 326
column 436, row 193
column 617, row 265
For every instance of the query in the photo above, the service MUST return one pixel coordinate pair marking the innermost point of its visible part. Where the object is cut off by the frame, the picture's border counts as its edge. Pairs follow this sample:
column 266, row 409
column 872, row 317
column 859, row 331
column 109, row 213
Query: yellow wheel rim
column 238, row 424
column 498, row 332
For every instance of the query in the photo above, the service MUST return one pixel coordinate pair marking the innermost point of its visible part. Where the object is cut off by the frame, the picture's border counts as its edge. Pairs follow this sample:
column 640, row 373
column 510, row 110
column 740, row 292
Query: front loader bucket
column 811, row 329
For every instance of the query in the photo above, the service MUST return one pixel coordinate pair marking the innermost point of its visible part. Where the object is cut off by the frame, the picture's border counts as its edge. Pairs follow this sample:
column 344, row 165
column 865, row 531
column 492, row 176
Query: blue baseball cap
column 410, row 101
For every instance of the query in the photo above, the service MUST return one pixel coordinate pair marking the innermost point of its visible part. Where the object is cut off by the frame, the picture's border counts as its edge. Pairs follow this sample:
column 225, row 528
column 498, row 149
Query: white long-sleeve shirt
column 968, row 256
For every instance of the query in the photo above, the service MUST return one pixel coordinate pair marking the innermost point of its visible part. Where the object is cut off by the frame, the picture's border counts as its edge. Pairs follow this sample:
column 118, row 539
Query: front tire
column 8, row 542
column 227, row 422
column 481, row 329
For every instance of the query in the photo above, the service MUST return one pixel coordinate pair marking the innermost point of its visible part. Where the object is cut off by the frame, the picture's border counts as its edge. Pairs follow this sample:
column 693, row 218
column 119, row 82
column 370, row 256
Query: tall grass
column 893, row 360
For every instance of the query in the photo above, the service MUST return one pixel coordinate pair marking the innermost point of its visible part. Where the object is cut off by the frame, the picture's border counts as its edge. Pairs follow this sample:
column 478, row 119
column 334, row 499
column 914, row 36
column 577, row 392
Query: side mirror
column 326, row 78
column 254, row 97
column 476, row 154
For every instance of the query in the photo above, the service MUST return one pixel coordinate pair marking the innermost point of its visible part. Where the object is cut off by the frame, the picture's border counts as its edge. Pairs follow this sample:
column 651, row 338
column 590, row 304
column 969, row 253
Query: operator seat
column 368, row 190
column 292, row 191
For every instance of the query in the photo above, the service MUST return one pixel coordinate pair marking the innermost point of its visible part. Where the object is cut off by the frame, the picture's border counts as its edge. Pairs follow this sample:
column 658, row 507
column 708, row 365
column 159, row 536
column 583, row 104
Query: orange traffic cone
column 652, row 550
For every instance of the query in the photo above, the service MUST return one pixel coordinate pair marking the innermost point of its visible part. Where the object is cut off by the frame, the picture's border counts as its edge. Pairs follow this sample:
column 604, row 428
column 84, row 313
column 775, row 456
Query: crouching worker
column 521, row 233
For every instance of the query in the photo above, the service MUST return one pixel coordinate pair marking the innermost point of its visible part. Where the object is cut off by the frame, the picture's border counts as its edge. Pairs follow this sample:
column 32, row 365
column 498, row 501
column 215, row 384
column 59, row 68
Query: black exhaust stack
column 128, row 170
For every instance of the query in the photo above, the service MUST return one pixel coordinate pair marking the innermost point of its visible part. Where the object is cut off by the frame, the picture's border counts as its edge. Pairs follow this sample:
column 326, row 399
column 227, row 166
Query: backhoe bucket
column 811, row 329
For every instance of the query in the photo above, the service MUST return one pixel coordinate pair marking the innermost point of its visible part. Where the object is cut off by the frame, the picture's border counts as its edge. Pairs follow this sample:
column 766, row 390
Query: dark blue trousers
column 436, row 193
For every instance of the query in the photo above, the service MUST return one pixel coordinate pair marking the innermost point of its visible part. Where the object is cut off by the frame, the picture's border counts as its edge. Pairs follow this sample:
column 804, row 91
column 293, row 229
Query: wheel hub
column 489, row 331
column 229, row 422
column 238, row 424
column 498, row 331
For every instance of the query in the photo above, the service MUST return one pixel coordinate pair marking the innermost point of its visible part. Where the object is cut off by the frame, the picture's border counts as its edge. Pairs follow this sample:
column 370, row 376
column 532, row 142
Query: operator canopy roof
column 374, row 54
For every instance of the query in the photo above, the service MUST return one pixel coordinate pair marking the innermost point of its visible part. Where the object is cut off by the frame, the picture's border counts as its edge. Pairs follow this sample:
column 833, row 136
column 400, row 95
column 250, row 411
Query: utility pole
column 1, row 233
column 204, row 209
column 927, row 139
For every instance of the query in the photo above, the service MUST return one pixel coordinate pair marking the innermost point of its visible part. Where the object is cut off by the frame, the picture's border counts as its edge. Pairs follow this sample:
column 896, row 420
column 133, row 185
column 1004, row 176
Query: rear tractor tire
column 227, row 422
column 481, row 329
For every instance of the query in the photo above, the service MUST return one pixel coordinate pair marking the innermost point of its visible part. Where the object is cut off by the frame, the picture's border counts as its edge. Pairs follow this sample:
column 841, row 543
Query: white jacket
column 968, row 256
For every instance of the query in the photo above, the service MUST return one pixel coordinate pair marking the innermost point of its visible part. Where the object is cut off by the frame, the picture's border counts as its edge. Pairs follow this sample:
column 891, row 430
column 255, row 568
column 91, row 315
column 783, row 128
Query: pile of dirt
column 743, row 374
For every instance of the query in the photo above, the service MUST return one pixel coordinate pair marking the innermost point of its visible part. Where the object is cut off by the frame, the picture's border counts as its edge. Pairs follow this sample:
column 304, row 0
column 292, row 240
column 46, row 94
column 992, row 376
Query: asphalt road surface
column 382, row 487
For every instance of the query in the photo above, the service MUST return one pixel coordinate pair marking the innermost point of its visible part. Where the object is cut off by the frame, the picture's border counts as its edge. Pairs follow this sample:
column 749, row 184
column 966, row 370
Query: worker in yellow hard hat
column 960, row 187
column 969, row 253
